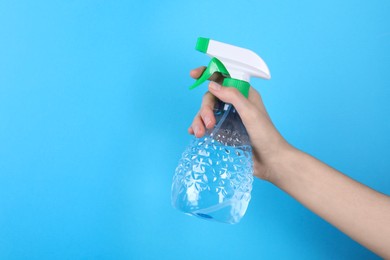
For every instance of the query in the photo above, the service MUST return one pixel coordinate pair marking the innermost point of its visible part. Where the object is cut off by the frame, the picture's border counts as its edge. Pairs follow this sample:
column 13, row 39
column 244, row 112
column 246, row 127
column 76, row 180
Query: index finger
column 196, row 73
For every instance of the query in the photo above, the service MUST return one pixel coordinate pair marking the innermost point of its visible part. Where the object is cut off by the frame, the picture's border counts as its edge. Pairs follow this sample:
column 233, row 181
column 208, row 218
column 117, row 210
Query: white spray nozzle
column 241, row 63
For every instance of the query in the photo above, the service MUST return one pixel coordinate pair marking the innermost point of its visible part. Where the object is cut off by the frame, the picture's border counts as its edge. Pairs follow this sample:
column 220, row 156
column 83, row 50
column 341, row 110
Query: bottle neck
column 229, row 129
column 241, row 85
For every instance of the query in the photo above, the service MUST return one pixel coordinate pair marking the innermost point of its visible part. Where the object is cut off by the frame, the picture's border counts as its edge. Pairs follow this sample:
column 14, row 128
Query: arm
column 354, row 208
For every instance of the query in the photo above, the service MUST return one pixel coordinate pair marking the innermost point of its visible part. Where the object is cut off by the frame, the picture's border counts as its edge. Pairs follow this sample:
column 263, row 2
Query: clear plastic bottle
column 214, row 177
column 215, row 173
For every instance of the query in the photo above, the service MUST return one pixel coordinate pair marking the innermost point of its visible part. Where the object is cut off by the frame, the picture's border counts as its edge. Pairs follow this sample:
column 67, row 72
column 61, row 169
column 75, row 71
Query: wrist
column 279, row 163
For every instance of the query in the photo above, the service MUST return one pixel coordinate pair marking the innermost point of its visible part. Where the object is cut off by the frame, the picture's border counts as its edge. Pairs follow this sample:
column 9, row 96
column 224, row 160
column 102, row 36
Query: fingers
column 206, row 110
column 196, row 73
column 197, row 127
column 205, row 118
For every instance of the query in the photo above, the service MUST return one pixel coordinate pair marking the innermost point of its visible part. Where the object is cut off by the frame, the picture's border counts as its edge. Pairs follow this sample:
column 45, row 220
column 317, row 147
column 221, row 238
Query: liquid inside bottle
column 215, row 173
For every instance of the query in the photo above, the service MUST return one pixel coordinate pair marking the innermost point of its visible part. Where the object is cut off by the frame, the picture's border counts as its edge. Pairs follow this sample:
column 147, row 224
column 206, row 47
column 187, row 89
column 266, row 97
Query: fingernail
column 207, row 120
column 196, row 129
column 215, row 86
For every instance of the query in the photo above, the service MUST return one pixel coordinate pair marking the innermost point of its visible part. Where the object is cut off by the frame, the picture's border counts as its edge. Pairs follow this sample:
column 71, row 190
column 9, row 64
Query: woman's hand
column 266, row 141
column 357, row 210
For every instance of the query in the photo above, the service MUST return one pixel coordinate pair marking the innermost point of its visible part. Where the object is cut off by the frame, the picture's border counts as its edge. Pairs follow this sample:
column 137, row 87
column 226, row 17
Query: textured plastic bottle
column 215, row 173
column 214, row 177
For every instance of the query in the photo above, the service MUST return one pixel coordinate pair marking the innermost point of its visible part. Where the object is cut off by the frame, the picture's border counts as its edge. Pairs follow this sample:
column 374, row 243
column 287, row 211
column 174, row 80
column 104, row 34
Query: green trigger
column 215, row 65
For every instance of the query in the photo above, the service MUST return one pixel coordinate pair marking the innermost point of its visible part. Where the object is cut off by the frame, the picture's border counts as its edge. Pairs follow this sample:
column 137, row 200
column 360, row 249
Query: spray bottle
column 214, row 177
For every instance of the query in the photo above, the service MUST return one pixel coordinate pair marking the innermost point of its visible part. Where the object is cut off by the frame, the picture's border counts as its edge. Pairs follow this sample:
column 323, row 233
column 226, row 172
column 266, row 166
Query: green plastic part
column 241, row 85
column 215, row 65
column 202, row 44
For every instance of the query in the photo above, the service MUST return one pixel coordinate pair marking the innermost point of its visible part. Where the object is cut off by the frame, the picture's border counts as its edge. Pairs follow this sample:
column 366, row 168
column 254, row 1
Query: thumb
column 231, row 96
column 261, row 130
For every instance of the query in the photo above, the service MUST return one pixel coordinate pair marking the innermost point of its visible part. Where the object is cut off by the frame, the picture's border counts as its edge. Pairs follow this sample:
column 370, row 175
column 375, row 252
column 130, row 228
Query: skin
column 357, row 210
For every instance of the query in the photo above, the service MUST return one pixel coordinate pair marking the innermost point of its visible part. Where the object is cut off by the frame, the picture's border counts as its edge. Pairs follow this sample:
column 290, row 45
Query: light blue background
column 94, row 110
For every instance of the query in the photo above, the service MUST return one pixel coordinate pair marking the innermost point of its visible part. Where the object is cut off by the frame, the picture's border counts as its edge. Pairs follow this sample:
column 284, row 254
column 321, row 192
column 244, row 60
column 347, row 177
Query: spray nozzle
column 236, row 64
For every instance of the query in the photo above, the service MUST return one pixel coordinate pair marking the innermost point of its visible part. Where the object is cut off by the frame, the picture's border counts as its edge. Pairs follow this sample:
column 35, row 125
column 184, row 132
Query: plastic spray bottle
column 214, row 177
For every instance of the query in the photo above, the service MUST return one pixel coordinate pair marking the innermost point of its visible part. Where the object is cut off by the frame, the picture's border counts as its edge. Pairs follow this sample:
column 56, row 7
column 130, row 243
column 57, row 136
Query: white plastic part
column 241, row 63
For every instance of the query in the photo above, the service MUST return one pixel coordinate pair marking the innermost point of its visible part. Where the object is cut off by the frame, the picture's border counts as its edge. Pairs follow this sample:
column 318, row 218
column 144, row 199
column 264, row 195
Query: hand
column 355, row 209
column 267, row 143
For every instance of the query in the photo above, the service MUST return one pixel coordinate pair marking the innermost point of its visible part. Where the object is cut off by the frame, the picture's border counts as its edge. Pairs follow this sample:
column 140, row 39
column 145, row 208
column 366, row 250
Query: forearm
column 355, row 209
